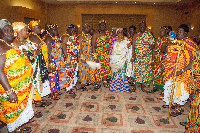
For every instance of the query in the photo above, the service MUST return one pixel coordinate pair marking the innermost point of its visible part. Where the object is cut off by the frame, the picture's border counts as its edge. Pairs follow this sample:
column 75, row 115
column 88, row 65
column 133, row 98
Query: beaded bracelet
column 8, row 92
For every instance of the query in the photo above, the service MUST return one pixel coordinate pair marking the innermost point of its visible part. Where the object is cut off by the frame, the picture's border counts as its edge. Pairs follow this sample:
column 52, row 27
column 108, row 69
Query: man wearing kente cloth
column 159, row 58
column 101, row 43
column 193, row 121
column 143, row 43
column 86, row 74
column 187, row 53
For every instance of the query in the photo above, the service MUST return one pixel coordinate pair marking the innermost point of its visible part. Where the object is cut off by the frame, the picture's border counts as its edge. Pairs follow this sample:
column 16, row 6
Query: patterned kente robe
column 102, row 50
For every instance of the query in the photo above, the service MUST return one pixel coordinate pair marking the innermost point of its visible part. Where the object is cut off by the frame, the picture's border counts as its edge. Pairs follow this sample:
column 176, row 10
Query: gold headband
column 33, row 23
column 102, row 21
column 50, row 26
column 17, row 26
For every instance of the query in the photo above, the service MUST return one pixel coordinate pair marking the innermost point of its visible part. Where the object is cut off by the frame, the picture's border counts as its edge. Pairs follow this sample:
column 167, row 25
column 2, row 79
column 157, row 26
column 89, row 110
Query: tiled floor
column 102, row 111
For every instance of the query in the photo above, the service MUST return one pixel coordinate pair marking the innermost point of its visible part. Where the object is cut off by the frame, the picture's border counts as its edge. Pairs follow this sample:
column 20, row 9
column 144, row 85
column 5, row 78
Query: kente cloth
column 86, row 74
column 143, row 58
column 57, row 79
column 119, row 58
column 23, row 118
column 186, row 57
column 72, row 53
column 102, row 50
column 193, row 120
column 18, row 71
column 159, row 66
column 40, row 77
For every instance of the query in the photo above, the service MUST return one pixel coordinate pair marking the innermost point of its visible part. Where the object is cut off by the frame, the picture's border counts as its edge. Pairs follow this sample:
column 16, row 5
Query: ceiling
column 153, row 2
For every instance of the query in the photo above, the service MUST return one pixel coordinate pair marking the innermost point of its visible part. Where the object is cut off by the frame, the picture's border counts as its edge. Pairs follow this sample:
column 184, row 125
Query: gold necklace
column 10, row 45
column 54, row 38
column 37, row 36
column 85, row 36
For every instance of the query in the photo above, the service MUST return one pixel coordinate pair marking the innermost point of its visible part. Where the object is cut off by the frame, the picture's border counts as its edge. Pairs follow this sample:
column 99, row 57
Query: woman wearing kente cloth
column 40, row 77
column 159, row 58
column 100, row 43
column 71, row 49
column 86, row 74
column 181, row 90
column 142, row 56
column 120, row 62
column 57, row 78
column 21, row 34
column 193, row 120
column 15, row 81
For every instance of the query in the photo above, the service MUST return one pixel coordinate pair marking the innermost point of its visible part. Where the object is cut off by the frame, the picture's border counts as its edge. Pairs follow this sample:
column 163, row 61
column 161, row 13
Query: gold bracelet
column 82, row 57
column 68, row 60
column 94, row 55
column 52, row 65
column 8, row 92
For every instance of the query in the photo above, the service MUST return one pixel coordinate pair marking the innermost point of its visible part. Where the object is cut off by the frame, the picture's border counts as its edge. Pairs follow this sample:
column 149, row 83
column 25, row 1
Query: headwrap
column 17, row 26
column 33, row 23
column 4, row 22
column 71, row 26
column 50, row 26
column 143, row 22
column 164, row 27
column 102, row 21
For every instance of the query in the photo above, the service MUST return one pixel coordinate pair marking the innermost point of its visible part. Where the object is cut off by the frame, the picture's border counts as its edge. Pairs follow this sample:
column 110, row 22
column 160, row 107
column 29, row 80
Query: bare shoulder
column 34, row 38
column 64, row 38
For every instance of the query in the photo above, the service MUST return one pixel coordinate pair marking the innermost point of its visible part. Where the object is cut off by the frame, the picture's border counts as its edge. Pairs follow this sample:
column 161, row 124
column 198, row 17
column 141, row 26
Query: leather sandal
column 176, row 112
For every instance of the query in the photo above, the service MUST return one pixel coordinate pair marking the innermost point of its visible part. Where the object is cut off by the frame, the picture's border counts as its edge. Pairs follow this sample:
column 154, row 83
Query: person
column 100, row 45
column 132, row 31
column 46, row 30
column 57, row 77
column 120, row 62
column 92, row 31
column 40, row 86
column 192, row 124
column 187, row 52
column 71, row 49
column 142, row 57
column 169, row 29
column 21, row 34
column 125, row 32
column 15, row 81
column 159, row 58
column 86, row 74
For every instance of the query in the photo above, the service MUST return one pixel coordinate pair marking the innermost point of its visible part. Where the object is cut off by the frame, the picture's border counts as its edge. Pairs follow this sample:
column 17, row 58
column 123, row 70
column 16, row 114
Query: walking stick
column 180, row 46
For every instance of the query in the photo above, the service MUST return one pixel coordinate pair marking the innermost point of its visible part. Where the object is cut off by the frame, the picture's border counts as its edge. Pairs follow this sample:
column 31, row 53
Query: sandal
column 176, row 112
column 38, row 114
column 24, row 130
column 133, row 89
column 70, row 91
column 105, row 84
column 183, row 123
column 167, row 106
column 42, row 104
column 84, row 88
column 97, row 86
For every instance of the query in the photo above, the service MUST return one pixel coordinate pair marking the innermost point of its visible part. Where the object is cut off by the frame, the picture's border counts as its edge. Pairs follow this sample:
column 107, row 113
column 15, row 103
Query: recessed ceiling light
column 135, row 2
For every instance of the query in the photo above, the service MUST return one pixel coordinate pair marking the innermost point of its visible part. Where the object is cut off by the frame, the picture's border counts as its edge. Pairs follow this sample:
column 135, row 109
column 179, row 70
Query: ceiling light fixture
column 116, row 2
column 135, row 2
